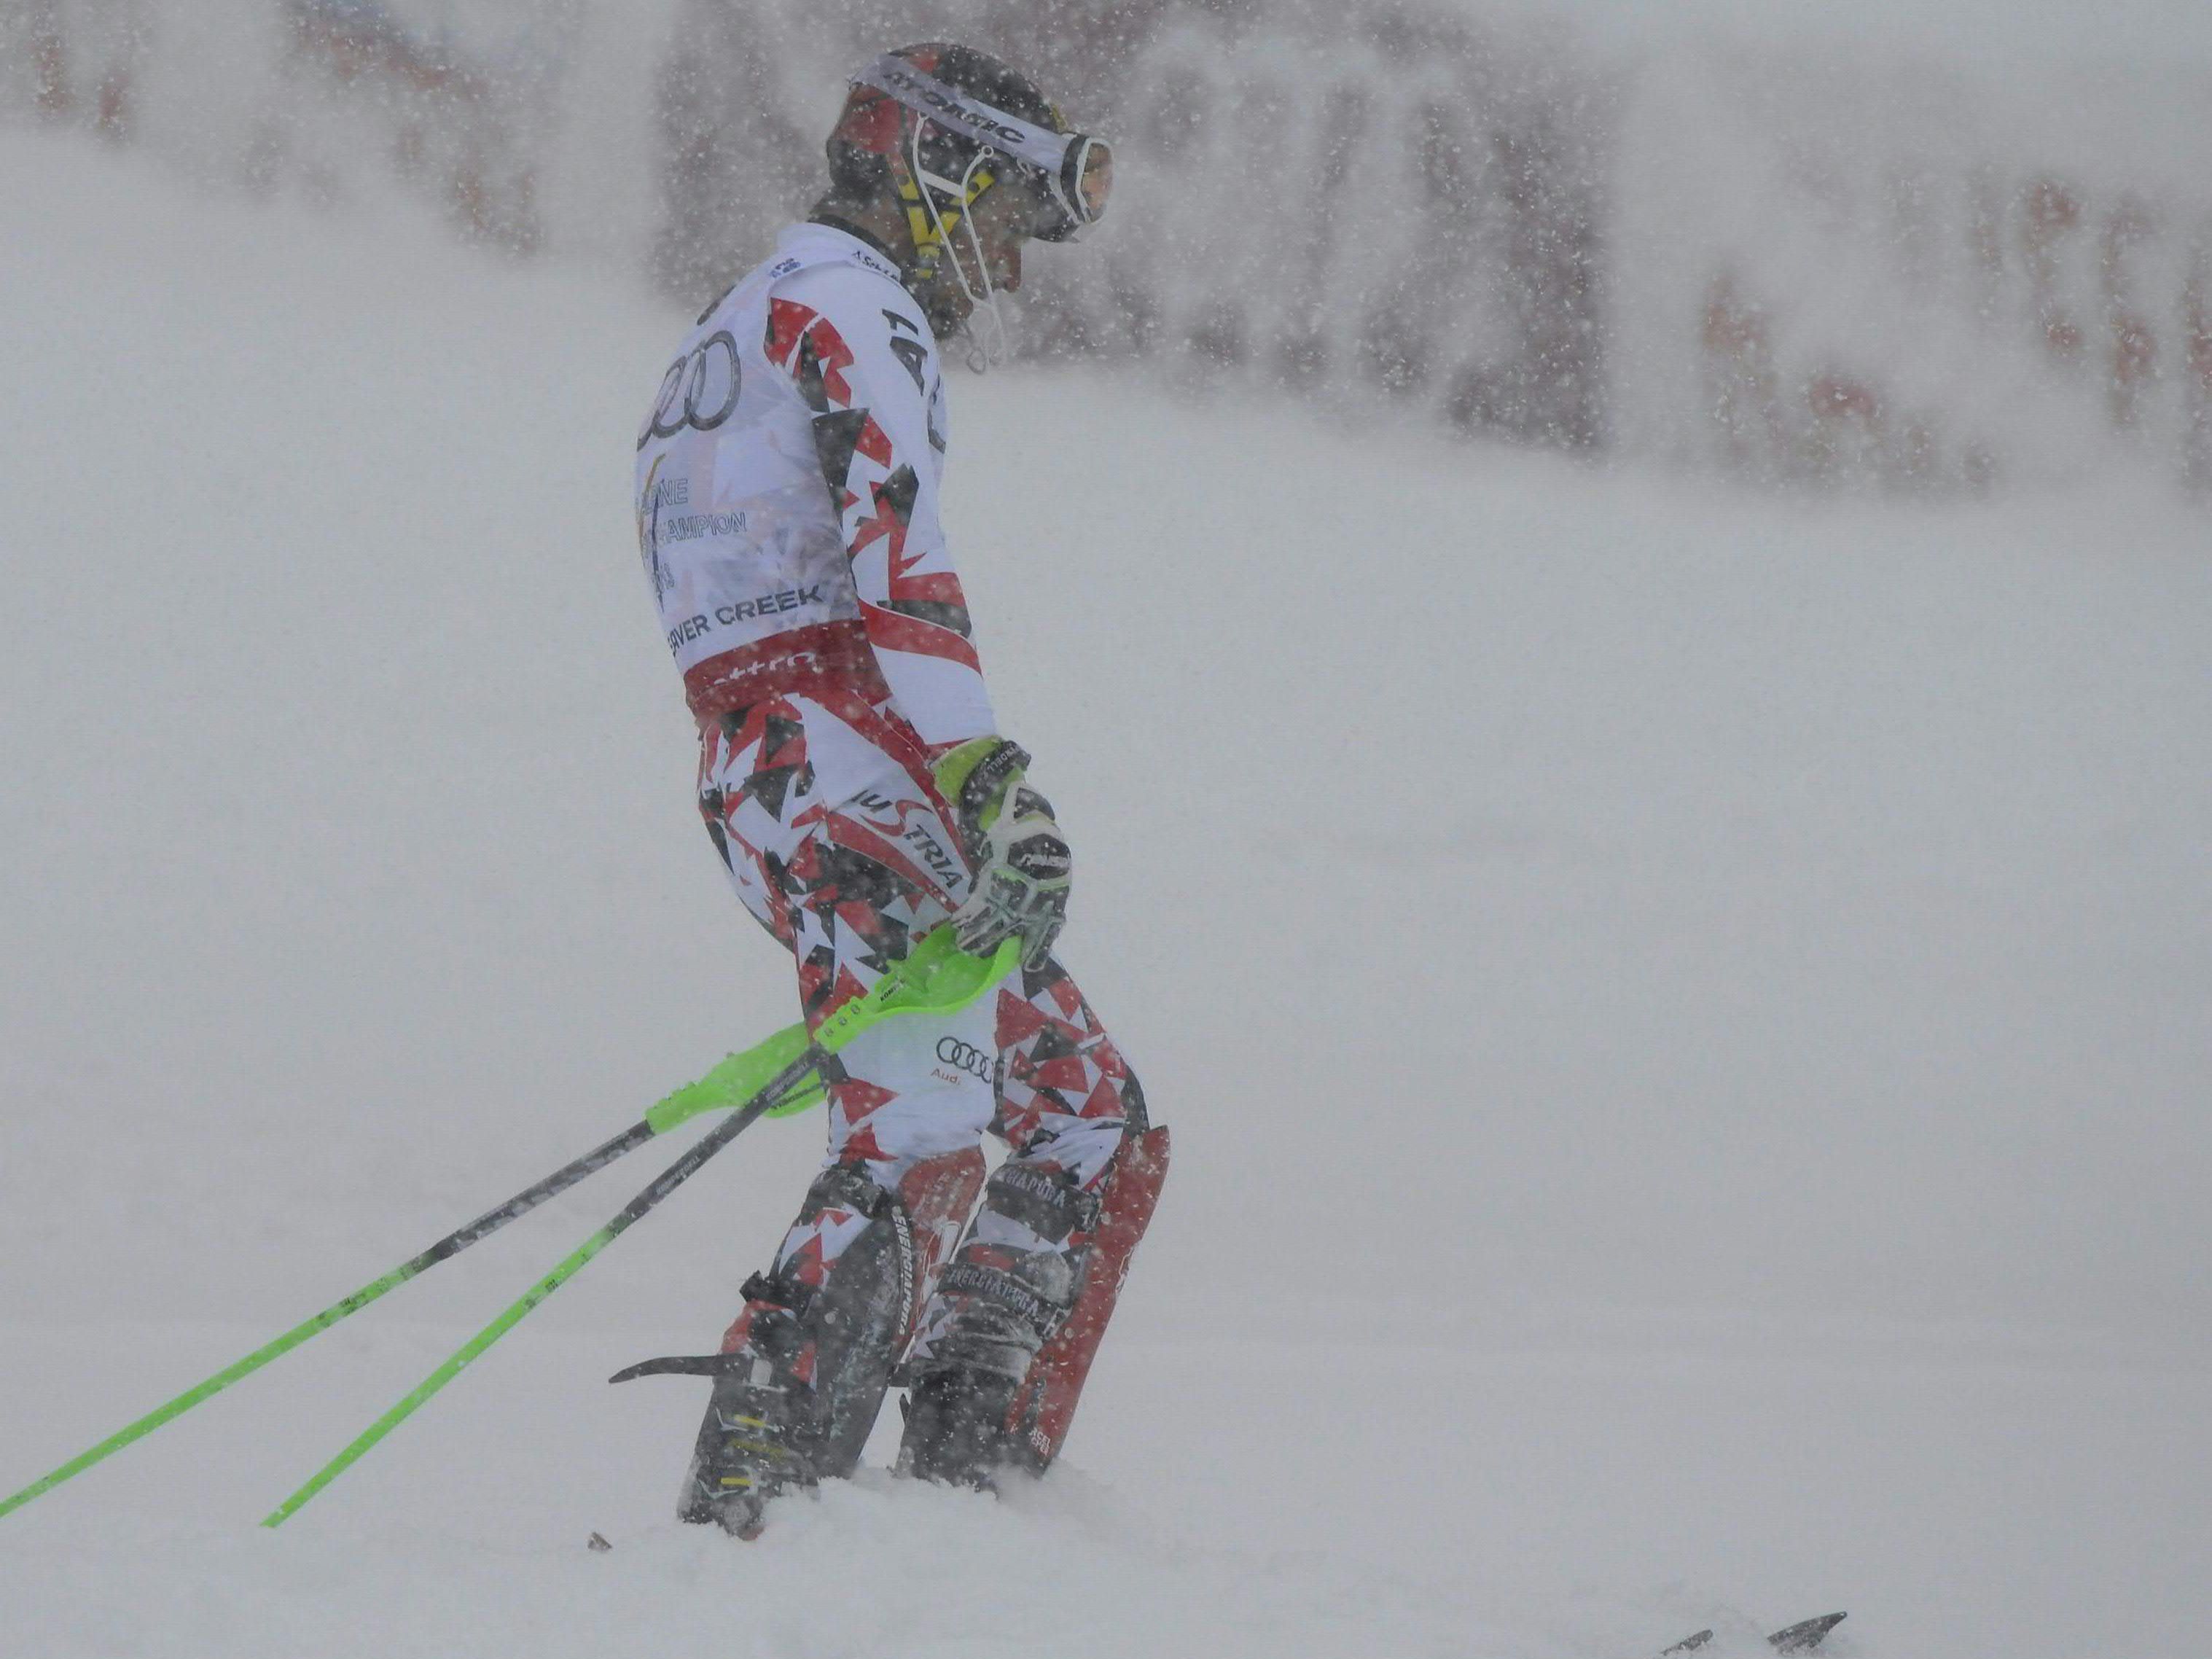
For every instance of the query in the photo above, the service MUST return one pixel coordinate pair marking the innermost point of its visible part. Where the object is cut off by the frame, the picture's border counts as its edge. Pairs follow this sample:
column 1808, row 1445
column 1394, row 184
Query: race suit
column 787, row 492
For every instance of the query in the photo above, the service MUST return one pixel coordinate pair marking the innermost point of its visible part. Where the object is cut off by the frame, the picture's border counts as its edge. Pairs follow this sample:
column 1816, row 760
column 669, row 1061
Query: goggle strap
column 1057, row 156
column 971, row 118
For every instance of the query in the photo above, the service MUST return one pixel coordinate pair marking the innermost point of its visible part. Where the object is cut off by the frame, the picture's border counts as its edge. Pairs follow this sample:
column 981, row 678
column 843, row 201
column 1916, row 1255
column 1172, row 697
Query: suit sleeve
column 861, row 356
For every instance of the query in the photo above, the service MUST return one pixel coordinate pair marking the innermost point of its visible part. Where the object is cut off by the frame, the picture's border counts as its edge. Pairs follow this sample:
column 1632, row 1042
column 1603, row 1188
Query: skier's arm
column 867, row 369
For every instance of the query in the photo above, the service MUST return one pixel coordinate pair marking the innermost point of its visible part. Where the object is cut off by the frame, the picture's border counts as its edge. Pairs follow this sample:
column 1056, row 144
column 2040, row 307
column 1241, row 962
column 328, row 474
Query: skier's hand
column 1021, row 862
column 1021, row 882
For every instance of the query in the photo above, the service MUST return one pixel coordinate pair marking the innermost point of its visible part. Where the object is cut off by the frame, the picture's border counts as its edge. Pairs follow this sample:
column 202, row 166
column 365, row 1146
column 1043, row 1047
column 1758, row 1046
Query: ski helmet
column 935, row 126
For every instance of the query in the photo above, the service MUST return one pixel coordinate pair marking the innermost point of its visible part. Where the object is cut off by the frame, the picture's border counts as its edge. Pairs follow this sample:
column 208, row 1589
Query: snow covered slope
column 1685, row 1017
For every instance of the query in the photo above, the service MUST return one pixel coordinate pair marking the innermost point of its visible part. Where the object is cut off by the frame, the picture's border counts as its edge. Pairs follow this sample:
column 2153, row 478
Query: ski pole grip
column 737, row 1080
column 935, row 977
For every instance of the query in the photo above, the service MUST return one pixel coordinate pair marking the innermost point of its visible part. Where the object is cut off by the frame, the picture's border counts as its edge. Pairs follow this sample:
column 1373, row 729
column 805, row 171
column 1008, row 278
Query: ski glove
column 1021, row 860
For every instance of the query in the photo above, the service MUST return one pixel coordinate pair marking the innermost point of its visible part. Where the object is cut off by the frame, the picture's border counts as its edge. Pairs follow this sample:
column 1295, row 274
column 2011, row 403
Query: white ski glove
column 1022, row 864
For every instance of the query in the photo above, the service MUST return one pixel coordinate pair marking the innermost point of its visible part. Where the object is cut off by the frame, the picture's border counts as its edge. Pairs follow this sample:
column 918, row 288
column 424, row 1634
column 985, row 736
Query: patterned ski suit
column 787, row 488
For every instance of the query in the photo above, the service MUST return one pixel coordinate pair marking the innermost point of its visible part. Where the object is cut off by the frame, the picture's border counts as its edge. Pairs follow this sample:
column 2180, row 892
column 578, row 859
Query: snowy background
column 1684, row 1009
column 1934, row 249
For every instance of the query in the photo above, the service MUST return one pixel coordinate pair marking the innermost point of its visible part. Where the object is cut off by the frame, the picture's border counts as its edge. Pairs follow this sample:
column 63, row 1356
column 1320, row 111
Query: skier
column 854, row 779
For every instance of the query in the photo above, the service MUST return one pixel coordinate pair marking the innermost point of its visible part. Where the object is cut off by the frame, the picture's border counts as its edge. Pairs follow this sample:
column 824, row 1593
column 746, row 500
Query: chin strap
column 933, row 233
column 991, row 344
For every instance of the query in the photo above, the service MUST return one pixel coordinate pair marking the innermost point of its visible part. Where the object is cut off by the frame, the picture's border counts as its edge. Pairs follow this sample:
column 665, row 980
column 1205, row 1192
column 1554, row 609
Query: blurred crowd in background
column 1869, row 268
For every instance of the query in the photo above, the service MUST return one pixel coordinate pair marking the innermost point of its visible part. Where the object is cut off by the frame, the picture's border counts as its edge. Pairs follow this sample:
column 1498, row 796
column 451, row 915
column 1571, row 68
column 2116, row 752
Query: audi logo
column 968, row 1057
column 700, row 390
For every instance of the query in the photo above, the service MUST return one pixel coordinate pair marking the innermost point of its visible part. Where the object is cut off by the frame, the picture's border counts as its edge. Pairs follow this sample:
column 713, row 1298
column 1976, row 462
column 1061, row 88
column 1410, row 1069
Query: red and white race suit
column 787, row 490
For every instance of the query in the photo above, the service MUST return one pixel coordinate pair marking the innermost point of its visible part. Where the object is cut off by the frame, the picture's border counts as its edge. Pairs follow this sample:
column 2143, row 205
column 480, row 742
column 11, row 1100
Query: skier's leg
column 840, row 850
column 1000, row 1359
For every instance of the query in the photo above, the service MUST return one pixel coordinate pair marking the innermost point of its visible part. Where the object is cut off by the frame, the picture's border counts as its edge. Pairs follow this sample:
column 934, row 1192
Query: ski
column 1802, row 1637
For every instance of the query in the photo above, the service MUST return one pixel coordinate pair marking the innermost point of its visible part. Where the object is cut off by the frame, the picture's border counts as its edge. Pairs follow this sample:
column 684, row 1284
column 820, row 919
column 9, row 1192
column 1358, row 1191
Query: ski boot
column 746, row 1456
column 1000, row 1359
column 956, row 1429
column 1000, row 1305
column 806, row 1367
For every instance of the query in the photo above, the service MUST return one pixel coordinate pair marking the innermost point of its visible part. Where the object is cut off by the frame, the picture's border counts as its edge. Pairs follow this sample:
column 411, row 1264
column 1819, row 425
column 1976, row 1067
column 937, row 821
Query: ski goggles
column 1070, row 174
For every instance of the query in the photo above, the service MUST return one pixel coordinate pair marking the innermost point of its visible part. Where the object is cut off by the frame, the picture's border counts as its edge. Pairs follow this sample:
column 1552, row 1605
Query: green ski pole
column 738, row 1079
column 936, row 977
